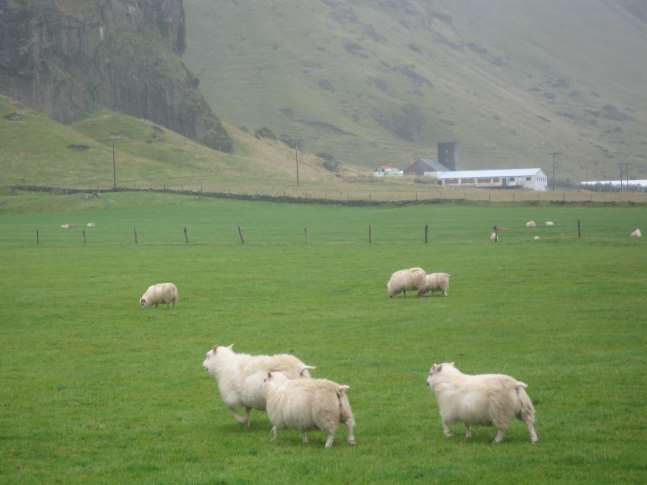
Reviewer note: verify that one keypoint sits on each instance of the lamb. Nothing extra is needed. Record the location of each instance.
(531, 223)
(435, 281)
(240, 376)
(405, 279)
(91, 224)
(549, 223)
(636, 233)
(165, 293)
(486, 399)
(307, 404)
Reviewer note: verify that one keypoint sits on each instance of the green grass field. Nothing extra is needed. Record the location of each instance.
(93, 389)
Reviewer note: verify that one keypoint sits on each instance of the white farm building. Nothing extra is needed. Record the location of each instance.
(524, 178)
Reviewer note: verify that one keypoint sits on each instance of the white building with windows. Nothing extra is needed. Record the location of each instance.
(520, 178)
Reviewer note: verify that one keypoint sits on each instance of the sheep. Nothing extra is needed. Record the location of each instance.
(636, 233)
(307, 404)
(486, 399)
(91, 224)
(405, 279)
(435, 281)
(494, 235)
(531, 223)
(549, 223)
(240, 376)
(67, 226)
(536, 238)
(165, 293)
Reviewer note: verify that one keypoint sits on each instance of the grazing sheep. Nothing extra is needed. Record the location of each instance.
(165, 293)
(307, 404)
(494, 235)
(531, 223)
(549, 223)
(67, 226)
(405, 279)
(536, 238)
(636, 233)
(486, 399)
(435, 281)
(240, 376)
(91, 224)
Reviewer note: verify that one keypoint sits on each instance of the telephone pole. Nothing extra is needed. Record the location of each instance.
(114, 168)
(554, 155)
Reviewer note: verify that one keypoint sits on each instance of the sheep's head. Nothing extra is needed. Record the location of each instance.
(437, 370)
(143, 303)
(217, 350)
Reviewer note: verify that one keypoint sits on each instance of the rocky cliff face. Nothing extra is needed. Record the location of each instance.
(70, 57)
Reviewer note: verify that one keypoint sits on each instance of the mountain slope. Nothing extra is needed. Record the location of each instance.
(383, 81)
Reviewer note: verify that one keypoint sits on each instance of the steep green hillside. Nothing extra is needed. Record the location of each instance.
(383, 81)
(39, 150)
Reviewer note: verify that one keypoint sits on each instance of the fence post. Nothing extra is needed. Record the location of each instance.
(426, 233)
(579, 229)
(305, 234)
(186, 235)
(37, 237)
(240, 234)
(370, 234)
(135, 235)
(84, 239)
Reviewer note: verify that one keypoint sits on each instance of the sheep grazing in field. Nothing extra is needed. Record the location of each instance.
(549, 223)
(240, 376)
(494, 235)
(636, 233)
(91, 224)
(306, 404)
(536, 238)
(161, 293)
(485, 399)
(67, 226)
(531, 223)
(405, 279)
(433, 282)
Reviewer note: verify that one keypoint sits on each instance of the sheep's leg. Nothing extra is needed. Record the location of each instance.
(248, 420)
(275, 433)
(237, 417)
(446, 430)
(350, 424)
(499, 435)
(304, 437)
(530, 422)
(468, 431)
(445, 291)
(330, 439)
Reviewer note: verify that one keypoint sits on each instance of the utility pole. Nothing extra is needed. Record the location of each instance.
(114, 168)
(623, 168)
(554, 155)
(296, 158)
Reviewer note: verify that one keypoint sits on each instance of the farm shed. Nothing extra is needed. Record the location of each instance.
(422, 165)
(526, 178)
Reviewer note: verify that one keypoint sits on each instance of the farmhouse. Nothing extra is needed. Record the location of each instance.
(525, 178)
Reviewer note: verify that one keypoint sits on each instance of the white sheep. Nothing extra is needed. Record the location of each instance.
(485, 399)
(636, 233)
(160, 293)
(549, 223)
(405, 279)
(306, 404)
(67, 226)
(494, 235)
(531, 223)
(91, 224)
(536, 238)
(433, 282)
(240, 376)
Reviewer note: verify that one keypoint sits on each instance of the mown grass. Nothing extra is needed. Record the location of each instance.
(94, 389)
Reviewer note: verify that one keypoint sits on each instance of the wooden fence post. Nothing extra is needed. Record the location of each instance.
(37, 237)
(579, 229)
(135, 235)
(426, 233)
(370, 234)
(186, 235)
(240, 234)
(84, 239)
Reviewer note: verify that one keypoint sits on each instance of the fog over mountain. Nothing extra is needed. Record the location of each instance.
(382, 81)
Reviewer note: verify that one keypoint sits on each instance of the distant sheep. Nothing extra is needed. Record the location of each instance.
(536, 238)
(405, 279)
(636, 233)
(240, 376)
(531, 223)
(91, 224)
(160, 293)
(549, 223)
(433, 282)
(486, 399)
(306, 404)
(494, 235)
(67, 226)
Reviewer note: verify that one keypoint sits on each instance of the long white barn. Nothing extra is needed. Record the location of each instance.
(527, 178)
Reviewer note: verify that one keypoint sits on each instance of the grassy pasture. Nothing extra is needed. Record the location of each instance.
(94, 389)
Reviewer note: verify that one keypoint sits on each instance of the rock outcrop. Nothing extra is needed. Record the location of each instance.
(68, 58)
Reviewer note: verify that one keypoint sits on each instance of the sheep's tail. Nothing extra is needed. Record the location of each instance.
(345, 411)
(527, 409)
